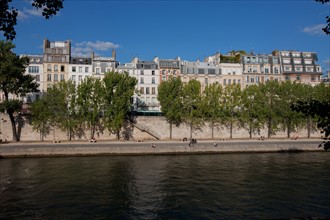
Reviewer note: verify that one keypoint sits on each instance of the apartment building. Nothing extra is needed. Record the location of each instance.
(204, 72)
(56, 60)
(101, 65)
(80, 68)
(148, 76)
(300, 66)
(231, 74)
(261, 68)
(168, 68)
(147, 73)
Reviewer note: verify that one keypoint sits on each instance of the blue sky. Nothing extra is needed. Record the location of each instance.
(190, 29)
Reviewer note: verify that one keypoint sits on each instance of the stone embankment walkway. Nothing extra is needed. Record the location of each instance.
(44, 149)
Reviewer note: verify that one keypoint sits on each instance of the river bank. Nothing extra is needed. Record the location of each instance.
(42, 149)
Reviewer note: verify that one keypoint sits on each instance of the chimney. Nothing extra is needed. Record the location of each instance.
(114, 54)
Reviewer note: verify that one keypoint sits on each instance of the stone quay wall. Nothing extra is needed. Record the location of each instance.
(144, 128)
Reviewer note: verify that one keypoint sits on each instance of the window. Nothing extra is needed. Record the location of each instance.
(163, 72)
(55, 68)
(38, 78)
(33, 69)
(276, 70)
(62, 77)
(49, 77)
(98, 70)
(234, 81)
(80, 78)
(86, 69)
(141, 80)
(266, 70)
(49, 67)
(298, 68)
(153, 72)
(238, 81)
(147, 91)
(73, 69)
(224, 82)
(298, 77)
(153, 80)
(153, 90)
(142, 72)
(142, 90)
(163, 78)
(309, 69)
(229, 81)
(80, 69)
(252, 79)
(73, 78)
(287, 77)
(55, 77)
(62, 68)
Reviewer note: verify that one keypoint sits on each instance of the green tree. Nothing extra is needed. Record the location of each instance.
(170, 97)
(41, 117)
(319, 108)
(211, 105)
(14, 81)
(90, 104)
(191, 105)
(326, 29)
(118, 90)
(288, 93)
(271, 105)
(69, 117)
(232, 106)
(8, 15)
(252, 104)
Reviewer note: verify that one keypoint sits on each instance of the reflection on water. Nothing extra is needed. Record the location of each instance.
(176, 187)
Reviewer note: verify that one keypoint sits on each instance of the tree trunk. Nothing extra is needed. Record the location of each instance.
(288, 128)
(118, 135)
(212, 124)
(191, 131)
(231, 129)
(54, 133)
(171, 130)
(250, 130)
(308, 126)
(13, 125)
(269, 126)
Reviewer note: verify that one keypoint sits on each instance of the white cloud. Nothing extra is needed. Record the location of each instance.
(314, 30)
(85, 48)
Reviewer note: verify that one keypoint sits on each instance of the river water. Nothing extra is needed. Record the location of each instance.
(221, 186)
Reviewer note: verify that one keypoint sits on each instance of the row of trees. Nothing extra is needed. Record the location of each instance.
(267, 105)
(93, 105)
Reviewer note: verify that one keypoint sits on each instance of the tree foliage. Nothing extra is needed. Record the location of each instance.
(14, 81)
(212, 105)
(326, 29)
(8, 15)
(191, 105)
(170, 97)
(118, 89)
(317, 107)
(93, 105)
